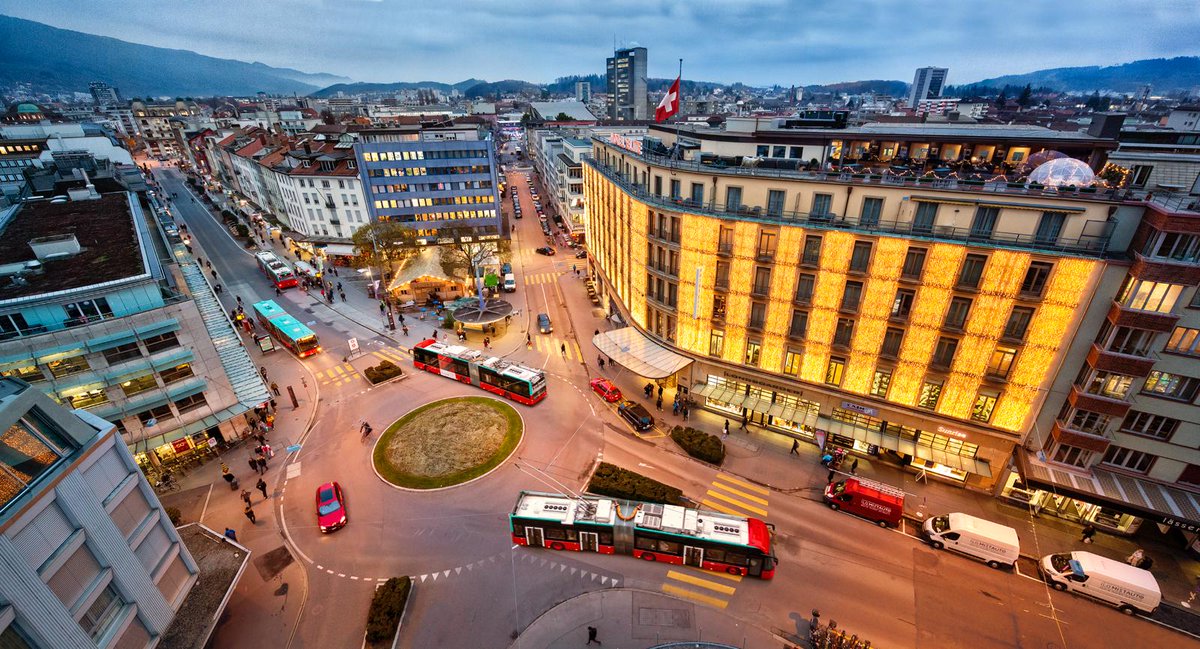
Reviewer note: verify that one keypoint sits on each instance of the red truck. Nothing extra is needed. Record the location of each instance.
(871, 500)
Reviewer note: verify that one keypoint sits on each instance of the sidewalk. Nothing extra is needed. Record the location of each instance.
(634, 619)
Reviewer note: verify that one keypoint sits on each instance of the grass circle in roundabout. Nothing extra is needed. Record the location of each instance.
(447, 442)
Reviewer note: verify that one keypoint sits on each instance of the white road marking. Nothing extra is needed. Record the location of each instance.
(205, 510)
(293, 470)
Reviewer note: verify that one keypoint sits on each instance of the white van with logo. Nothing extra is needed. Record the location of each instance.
(1131, 590)
(510, 283)
(991, 543)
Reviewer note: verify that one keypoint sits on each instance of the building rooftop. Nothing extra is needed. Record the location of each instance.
(108, 246)
(875, 130)
(576, 110)
(221, 563)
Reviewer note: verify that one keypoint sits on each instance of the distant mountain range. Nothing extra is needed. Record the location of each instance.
(1163, 75)
(56, 59)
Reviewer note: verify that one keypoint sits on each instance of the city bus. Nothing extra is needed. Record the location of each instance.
(275, 269)
(286, 329)
(496, 375)
(649, 531)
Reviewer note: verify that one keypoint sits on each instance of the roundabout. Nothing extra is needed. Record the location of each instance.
(447, 443)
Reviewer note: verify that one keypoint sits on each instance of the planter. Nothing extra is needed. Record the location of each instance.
(386, 615)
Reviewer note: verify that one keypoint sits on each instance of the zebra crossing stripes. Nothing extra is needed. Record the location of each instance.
(737, 497)
(336, 375)
(553, 345)
(701, 586)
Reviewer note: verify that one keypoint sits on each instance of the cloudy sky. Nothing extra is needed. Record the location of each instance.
(755, 41)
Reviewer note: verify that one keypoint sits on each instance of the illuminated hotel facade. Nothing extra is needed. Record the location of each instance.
(926, 320)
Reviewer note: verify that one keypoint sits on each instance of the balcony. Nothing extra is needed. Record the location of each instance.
(1097, 403)
(1089, 440)
(1090, 244)
(1128, 364)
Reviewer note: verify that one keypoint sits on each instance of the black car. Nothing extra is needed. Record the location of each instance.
(579, 254)
(636, 415)
(545, 250)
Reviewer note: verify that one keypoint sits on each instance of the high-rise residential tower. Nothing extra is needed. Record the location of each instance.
(927, 84)
(627, 84)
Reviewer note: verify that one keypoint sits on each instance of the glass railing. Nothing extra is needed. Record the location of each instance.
(1087, 244)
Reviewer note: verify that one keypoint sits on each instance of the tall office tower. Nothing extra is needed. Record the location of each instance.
(627, 84)
(927, 84)
(104, 94)
(583, 91)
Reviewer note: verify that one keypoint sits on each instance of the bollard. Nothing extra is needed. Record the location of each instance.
(292, 394)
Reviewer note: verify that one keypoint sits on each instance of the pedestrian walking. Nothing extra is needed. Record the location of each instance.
(601, 363)
(401, 316)
(592, 635)
(660, 391)
(275, 388)
(246, 497)
(685, 413)
(1146, 563)
(658, 404)
(1135, 558)
(745, 418)
(830, 478)
(342, 295)
(404, 329)
(254, 464)
(727, 428)
(262, 369)
(795, 447)
(854, 467)
(231, 534)
(249, 512)
(261, 485)
(382, 308)
(262, 457)
(597, 332)
(1087, 533)
(278, 292)
(486, 341)
(563, 349)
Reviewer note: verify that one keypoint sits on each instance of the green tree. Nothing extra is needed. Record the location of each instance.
(385, 244)
(1026, 96)
(464, 256)
(1001, 99)
(562, 117)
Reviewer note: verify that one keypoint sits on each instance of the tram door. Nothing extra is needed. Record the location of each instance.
(693, 556)
(533, 537)
(589, 542)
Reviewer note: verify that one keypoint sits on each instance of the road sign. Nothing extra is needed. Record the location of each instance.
(353, 345)
(293, 448)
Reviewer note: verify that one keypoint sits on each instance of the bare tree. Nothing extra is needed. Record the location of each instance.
(464, 256)
(385, 243)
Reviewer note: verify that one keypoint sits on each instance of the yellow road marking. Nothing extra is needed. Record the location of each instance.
(349, 368)
(721, 508)
(696, 597)
(737, 503)
(743, 483)
(379, 355)
(320, 374)
(338, 368)
(578, 353)
(740, 493)
(703, 583)
(710, 573)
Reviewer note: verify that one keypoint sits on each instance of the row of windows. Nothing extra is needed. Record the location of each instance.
(439, 154)
(76, 364)
(1117, 386)
(164, 412)
(432, 187)
(1146, 424)
(431, 202)
(131, 387)
(440, 216)
(401, 172)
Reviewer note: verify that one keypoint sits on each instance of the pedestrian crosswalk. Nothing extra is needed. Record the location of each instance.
(736, 496)
(553, 345)
(541, 278)
(336, 375)
(391, 354)
(730, 495)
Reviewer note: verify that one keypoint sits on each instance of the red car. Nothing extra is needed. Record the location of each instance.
(331, 507)
(606, 390)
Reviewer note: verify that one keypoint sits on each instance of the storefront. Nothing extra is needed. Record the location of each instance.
(156, 455)
(772, 407)
(1113, 501)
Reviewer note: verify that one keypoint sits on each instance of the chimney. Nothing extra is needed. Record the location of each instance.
(307, 148)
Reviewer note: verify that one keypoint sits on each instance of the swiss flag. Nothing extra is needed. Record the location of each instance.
(669, 104)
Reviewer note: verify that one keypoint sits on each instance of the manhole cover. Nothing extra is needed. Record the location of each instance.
(273, 562)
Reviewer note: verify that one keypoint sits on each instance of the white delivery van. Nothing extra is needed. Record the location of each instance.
(1129, 589)
(510, 283)
(994, 544)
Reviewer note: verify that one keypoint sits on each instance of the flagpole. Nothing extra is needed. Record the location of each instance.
(678, 144)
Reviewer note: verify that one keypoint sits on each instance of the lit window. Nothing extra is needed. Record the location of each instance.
(985, 403)
(1150, 296)
(1001, 362)
(835, 370)
(1171, 386)
(791, 362)
(1184, 341)
(881, 382)
(931, 391)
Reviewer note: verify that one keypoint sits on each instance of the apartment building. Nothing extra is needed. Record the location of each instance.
(626, 75)
(88, 557)
(431, 175)
(96, 312)
(154, 125)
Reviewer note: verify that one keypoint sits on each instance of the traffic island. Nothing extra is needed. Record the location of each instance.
(447, 443)
(387, 612)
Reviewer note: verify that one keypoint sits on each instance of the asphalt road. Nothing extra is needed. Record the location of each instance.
(475, 589)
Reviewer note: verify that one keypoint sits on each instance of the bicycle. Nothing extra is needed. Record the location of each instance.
(366, 430)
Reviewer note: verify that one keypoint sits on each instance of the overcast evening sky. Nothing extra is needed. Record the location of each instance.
(759, 42)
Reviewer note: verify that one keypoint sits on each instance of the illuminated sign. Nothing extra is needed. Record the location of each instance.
(627, 143)
(862, 410)
(951, 432)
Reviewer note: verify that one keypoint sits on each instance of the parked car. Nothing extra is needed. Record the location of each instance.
(874, 501)
(606, 389)
(331, 507)
(636, 415)
(545, 250)
(544, 325)
(581, 253)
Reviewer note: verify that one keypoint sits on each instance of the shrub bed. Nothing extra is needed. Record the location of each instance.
(384, 371)
(387, 606)
(615, 482)
(699, 444)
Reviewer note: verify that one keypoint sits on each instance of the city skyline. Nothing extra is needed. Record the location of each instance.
(886, 42)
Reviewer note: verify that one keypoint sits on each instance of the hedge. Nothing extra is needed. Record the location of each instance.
(384, 371)
(386, 608)
(615, 482)
(699, 444)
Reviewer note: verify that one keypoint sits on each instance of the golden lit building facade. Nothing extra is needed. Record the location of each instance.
(917, 321)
